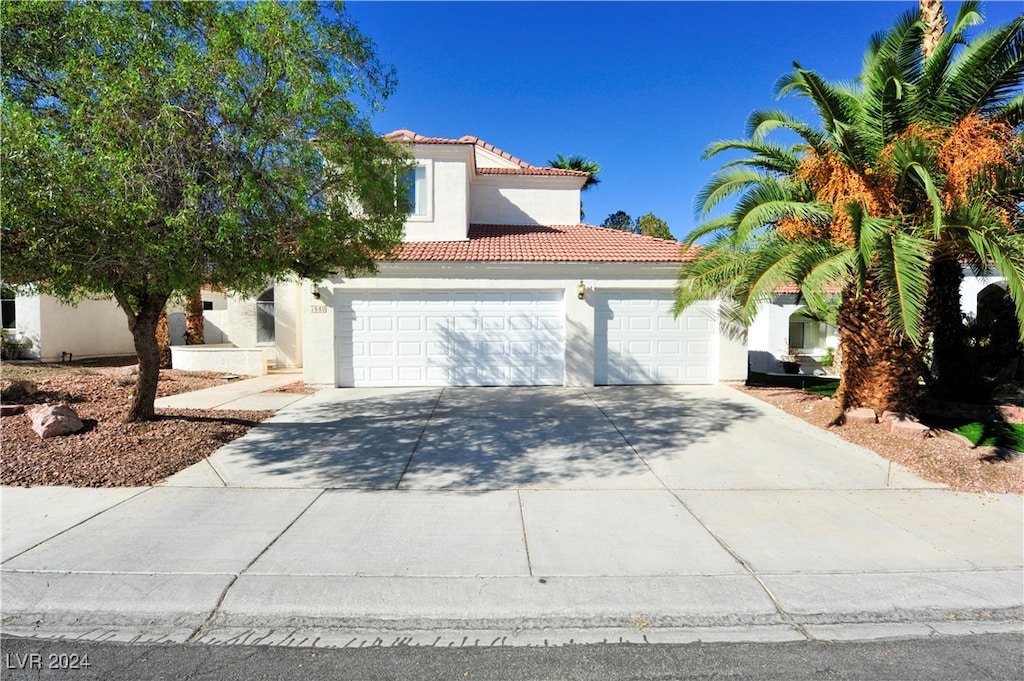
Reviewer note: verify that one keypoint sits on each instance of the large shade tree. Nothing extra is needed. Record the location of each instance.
(918, 162)
(153, 148)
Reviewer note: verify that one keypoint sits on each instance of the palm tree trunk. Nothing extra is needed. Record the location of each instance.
(194, 334)
(879, 371)
(935, 21)
(950, 373)
(163, 340)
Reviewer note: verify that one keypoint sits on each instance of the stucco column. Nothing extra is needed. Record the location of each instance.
(579, 336)
(318, 358)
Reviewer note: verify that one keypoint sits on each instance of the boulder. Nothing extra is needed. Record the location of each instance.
(52, 420)
(860, 415)
(890, 416)
(909, 428)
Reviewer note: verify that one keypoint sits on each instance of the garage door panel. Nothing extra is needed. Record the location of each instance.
(451, 338)
(638, 340)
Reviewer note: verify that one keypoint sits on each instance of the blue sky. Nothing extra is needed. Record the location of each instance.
(641, 88)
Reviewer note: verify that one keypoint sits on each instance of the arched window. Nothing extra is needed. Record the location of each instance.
(265, 317)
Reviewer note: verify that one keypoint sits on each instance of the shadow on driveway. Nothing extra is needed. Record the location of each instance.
(478, 438)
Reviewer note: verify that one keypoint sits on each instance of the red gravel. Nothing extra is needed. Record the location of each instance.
(945, 458)
(109, 452)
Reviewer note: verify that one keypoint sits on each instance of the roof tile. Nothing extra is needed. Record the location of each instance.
(523, 169)
(535, 243)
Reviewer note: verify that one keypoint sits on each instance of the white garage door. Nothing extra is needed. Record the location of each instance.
(450, 338)
(637, 340)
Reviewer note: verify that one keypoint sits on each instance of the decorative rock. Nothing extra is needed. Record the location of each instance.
(860, 415)
(910, 429)
(58, 419)
(128, 371)
(890, 416)
(11, 409)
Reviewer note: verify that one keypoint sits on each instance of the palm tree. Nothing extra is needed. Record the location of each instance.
(579, 164)
(890, 183)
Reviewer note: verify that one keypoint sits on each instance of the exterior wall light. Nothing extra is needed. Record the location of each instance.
(314, 288)
(581, 290)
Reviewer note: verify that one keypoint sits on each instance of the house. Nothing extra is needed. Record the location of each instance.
(785, 327)
(497, 283)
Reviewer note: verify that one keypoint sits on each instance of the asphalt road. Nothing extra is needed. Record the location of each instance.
(988, 657)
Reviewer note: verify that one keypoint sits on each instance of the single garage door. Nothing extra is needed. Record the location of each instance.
(450, 338)
(637, 340)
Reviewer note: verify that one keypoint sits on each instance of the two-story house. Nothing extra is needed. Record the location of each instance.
(497, 284)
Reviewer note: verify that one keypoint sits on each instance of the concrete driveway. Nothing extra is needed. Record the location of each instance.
(637, 438)
(527, 516)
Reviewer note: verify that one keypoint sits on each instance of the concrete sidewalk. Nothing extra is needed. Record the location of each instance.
(253, 394)
(517, 516)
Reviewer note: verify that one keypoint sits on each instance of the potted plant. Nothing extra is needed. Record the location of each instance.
(10, 344)
(790, 362)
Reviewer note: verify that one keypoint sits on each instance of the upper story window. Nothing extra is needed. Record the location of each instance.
(418, 191)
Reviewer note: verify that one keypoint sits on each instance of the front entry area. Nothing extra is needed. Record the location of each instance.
(450, 338)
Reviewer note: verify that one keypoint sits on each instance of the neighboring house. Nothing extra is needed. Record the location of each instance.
(785, 327)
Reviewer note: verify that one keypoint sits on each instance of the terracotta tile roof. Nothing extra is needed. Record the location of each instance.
(535, 243)
(523, 168)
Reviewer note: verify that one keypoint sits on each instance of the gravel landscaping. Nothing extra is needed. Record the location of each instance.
(945, 457)
(109, 452)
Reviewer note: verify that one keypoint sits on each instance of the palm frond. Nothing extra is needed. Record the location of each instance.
(760, 123)
(723, 185)
(772, 157)
(889, 73)
(726, 223)
(988, 73)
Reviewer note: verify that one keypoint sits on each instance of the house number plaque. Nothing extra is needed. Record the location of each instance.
(318, 309)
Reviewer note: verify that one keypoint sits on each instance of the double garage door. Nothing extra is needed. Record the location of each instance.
(464, 338)
(451, 338)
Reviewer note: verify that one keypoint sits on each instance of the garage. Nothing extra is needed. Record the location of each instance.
(456, 338)
(638, 341)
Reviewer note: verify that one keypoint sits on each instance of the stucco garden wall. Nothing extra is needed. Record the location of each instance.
(93, 328)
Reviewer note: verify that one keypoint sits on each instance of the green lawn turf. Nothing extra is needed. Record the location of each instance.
(1009, 435)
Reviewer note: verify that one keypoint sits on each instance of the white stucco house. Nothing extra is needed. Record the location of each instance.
(498, 284)
(785, 327)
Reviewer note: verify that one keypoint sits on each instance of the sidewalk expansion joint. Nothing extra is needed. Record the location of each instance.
(224, 594)
(786, 617)
(419, 439)
(81, 522)
(526, 541)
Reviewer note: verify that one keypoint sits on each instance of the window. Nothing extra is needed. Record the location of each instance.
(265, 317)
(207, 305)
(796, 335)
(417, 197)
(7, 308)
